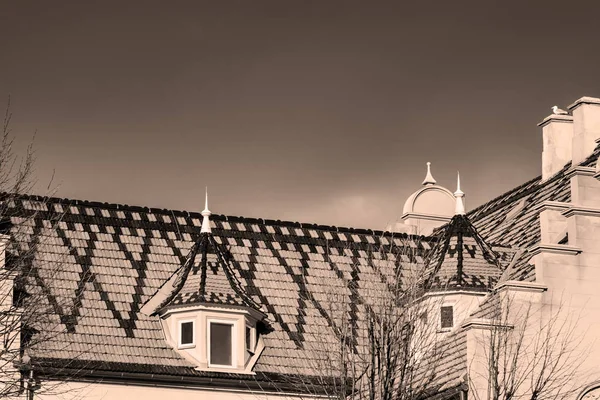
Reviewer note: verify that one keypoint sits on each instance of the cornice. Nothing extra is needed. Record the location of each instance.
(556, 118)
(582, 211)
(552, 248)
(552, 205)
(431, 217)
(484, 323)
(580, 170)
(522, 286)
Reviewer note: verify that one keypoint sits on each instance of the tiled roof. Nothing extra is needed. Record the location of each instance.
(512, 219)
(511, 222)
(207, 277)
(489, 307)
(113, 258)
(462, 259)
(97, 264)
(442, 368)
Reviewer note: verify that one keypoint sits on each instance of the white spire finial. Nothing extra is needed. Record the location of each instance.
(459, 194)
(429, 178)
(206, 214)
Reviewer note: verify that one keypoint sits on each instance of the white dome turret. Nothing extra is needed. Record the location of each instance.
(427, 208)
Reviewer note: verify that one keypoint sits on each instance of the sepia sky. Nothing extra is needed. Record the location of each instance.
(313, 111)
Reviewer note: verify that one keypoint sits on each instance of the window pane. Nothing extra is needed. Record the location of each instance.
(187, 333)
(220, 343)
(447, 314)
(249, 339)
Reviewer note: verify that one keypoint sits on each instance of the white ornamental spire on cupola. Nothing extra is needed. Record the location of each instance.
(459, 194)
(429, 178)
(206, 214)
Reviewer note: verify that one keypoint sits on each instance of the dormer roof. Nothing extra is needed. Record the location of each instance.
(462, 259)
(206, 278)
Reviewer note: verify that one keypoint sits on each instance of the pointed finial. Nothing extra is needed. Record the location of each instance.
(429, 178)
(459, 194)
(206, 214)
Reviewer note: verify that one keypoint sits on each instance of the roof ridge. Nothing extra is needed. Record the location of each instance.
(220, 217)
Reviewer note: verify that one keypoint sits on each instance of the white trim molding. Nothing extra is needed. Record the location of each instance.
(582, 210)
(483, 323)
(181, 345)
(554, 249)
(522, 286)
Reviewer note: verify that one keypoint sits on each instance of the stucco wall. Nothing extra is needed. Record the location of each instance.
(108, 391)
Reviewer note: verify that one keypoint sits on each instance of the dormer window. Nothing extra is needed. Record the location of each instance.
(221, 343)
(211, 324)
(187, 334)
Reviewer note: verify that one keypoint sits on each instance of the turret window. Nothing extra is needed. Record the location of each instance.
(186, 334)
(221, 340)
(447, 316)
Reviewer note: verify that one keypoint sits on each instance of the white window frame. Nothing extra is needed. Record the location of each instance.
(252, 339)
(234, 342)
(179, 332)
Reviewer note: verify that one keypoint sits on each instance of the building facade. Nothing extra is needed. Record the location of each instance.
(125, 301)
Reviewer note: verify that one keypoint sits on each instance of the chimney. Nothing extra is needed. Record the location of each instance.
(557, 133)
(586, 127)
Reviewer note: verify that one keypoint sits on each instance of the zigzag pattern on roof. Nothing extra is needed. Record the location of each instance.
(111, 260)
(463, 260)
(195, 284)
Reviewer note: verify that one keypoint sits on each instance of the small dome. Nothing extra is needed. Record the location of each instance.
(431, 200)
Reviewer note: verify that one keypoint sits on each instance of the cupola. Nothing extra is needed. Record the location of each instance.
(462, 267)
(206, 315)
(426, 209)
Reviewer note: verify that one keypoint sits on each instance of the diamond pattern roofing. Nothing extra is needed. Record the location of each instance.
(462, 259)
(112, 258)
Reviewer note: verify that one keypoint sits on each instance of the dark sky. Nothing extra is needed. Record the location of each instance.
(311, 111)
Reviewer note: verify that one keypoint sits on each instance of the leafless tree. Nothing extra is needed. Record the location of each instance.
(527, 350)
(381, 339)
(27, 318)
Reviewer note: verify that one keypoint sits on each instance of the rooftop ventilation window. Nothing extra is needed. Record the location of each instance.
(565, 239)
(516, 209)
(512, 214)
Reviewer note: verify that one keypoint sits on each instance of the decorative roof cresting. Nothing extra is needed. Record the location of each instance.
(429, 178)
